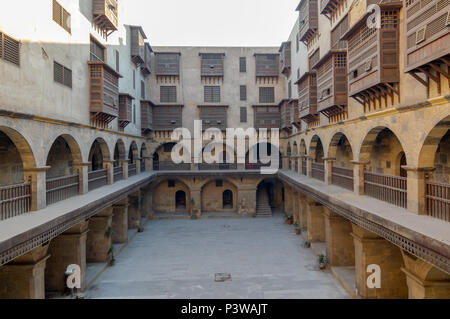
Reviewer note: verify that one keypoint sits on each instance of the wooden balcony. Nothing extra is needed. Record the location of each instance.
(167, 117)
(307, 97)
(285, 114)
(104, 92)
(213, 116)
(330, 7)
(146, 67)
(285, 58)
(309, 19)
(373, 56)
(212, 64)
(427, 39)
(332, 83)
(295, 113)
(146, 116)
(125, 110)
(167, 63)
(105, 15)
(267, 65)
(267, 116)
(137, 45)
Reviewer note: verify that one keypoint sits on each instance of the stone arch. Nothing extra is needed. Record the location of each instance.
(212, 192)
(316, 149)
(274, 189)
(18, 156)
(302, 149)
(119, 152)
(99, 153)
(341, 149)
(380, 149)
(430, 146)
(133, 152)
(144, 150)
(63, 153)
(295, 149)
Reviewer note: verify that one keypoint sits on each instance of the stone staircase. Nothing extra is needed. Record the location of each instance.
(263, 208)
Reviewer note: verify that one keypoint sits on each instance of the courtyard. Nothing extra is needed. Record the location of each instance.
(178, 259)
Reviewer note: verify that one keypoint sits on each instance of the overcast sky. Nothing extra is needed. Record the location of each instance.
(213, 22)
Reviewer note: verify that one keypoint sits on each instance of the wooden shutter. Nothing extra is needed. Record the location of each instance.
(10, 49)
(97, 51)
(212, 94)
(242, 65)
(58, 72)
(243, 93)
(212, 64)
(67, 77)
(267, 95)
(243, 114)
(57, 12)
(168, 94)
(143, 90)
(167, 64)
(66, 22)
(117, 61)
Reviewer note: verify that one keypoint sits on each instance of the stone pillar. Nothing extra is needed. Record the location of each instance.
(288, 198)
(37, 177)
(300, 167)
(416, 183)
(309, 161)
(195, 202)
(82, 170)
(371, 249)
(24, 278)
(99, 239)
(148, 164)
(247, 200)
(134, 215)
(424, 280)
(295, 208)
(138, 165)
(109, 165)
(328, 164)
(147, 202)
(358, 176)
(340, 246)
(315, 221)
(120, 222)
(285, 162)
(303, 212)
(240, 162)
(299, 164)
(124, 164)
(67, 249)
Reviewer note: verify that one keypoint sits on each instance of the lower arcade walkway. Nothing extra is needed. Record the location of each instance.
(179, 259)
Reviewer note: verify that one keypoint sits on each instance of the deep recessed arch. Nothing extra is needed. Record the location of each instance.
(63, 154)
(341, 150)
(316, 149)
(98, 154)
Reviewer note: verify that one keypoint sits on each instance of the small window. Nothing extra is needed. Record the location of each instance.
(290, 89)
(243, 115)
(143, 90)
(97, 51)
(212, 94)
(134, 113)
(243, 92)
(168, 94)
(117, 61)
(61, 16)
(421, 34)
(355, 74)
(9, 49)
(219, 183)
(267, 95)
(297, 42)
(243, 65)
(171, 183)
(134, 79)
(62, 74)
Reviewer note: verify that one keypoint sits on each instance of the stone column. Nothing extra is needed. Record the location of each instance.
(67, 249)
(328, 164)
(300, 167)
(196, 204)
(148, 163)
(134, 215)
(303, 212)
(120, 222)
(288, 199)
(124, 164)
(285, 162)
(371, 249)
(309, 161)
(299, 164)
(99, 239)
(82, 170)
(424, 280)
(358, 176)
(138, 165)
(340, 246)
(315, 221)
(37, 177)
(109, 165)
(24, 278)
(416, 183)
(295, 208)
(147, 199)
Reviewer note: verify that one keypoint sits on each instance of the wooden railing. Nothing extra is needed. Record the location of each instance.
(438, 200)
(62, 188)
(304, 166)
(118, 173)
(391, 189)
(216, 166)
(14, 200)
(97, 178)
(132, 169)
(342, 177)
(318, 171)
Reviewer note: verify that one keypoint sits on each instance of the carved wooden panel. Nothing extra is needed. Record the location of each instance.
(167, 118)
(167, 64)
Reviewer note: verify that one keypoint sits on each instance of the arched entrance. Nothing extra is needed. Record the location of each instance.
(227, 199)
(269, 197)
(180, 201)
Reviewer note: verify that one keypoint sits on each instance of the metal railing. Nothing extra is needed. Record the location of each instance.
(388, 188)
(15, 200)
(132, 169)
(318, 171)
(118, 173)
(343, 177)
(97, 179)
(62, 188)
(438, 200)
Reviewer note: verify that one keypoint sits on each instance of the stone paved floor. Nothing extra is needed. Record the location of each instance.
(179, 258)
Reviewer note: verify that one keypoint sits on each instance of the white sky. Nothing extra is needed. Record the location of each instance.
(213, 22)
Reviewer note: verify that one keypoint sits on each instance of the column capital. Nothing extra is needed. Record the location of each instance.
(360, 162)
(418, 169)
(329, 159)
(36, 169)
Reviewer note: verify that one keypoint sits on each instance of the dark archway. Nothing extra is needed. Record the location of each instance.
(180, 201)
(227, 199)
